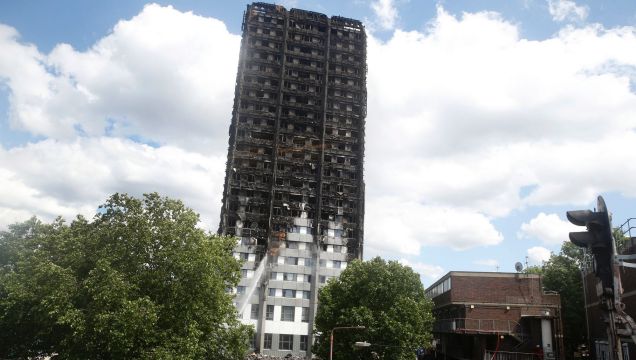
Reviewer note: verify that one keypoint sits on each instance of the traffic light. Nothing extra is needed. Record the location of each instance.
(598, 239)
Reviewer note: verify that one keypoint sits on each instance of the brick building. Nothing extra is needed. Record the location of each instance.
(480, 313)
(294, 189)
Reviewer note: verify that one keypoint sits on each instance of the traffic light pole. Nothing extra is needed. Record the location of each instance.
(599, 240)
(613, 300)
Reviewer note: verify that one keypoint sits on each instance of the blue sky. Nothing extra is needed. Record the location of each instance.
(487, 120)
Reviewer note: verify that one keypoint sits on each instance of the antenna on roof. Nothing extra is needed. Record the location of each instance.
(519, 267)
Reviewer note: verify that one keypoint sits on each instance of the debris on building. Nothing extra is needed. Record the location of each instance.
(294, 189)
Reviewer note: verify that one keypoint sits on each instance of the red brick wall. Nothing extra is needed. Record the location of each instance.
(493, 303)
(495, 296)
(442, 299)
(517, 289)
(495, 313)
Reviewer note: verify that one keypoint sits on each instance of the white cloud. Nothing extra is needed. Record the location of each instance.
(404, 226)
(537, 255)
(22, 70)
(470, 116)
(164, 75)
(428, 273)
(386, 13)
(52, 178)
(547, 228)
(562, 10)
(463, 119)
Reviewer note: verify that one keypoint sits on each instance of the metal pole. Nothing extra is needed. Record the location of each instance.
(331, 345)
(614, 301)
(613, 341)
(331, 337)
(587, 321)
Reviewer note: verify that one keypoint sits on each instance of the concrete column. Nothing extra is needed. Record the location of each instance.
(546, 338)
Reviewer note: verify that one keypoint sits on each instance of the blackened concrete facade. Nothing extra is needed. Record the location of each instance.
(294, 189)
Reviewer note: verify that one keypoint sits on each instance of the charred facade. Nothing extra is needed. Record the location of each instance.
(294, 189)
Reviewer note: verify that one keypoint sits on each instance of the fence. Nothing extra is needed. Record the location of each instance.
(507, 355)
(478, 325)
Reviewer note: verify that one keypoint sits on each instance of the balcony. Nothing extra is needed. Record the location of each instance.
(479, 326)
(507, 355)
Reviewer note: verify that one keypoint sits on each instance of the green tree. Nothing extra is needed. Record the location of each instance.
(622, 240)
(140, 281)
(534, 269)
(386, 298)
(562, 273)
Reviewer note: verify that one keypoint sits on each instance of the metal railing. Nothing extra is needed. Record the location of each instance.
(507, 355)
(478, 325)
(627, 227)
(628, 231)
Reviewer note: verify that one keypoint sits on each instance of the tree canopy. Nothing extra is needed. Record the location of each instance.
(562, 273)
(139, 281)
(386, 298)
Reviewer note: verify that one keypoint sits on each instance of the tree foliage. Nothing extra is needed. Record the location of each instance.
(622, 240)
(140, 281)
(385, 297)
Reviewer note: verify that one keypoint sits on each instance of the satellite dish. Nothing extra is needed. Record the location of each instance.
(518, 266)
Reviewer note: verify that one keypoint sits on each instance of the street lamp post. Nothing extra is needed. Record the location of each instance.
(331, 337)
(361, 344)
